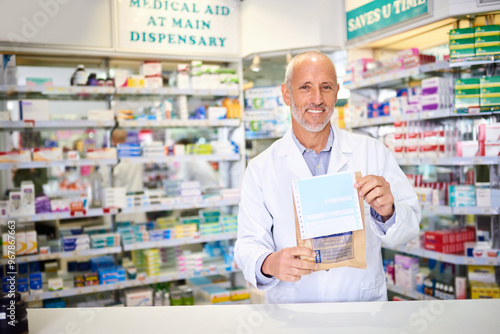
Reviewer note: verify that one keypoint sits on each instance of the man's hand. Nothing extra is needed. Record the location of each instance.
(377, 193)
(287, 265)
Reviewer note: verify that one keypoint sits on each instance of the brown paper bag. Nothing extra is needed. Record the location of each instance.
(338, 250)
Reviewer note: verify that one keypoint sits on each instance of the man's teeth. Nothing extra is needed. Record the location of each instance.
(314, 111)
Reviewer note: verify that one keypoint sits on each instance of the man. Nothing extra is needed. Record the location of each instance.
(266, 249)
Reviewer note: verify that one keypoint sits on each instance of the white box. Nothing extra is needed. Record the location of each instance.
(143, 297)
(153, 82)
(121, 78)
(55, 284)
(183, 80)
(483, 194)
(17, 156)
(492, 149)
(217, 112)
(15, 200)
(28, 198)
(47, 154)
(151, 68)
(31, 242)
(20, 243)
(102, 153)
(100, 115)
(34, 110)
(467, 148)
(492, 132)
(4, 209)
(4, 116)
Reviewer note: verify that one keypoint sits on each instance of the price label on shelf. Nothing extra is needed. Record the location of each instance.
(460, 211)
(95, 289)
(434, 161)
(486, 211)
(37, 297)
(477, 160)
(50, 89)
(79, 291)
(62, 89)
(119, 286)
(492, 262)
(440, 257)
(394, 76)
(57, 294)
(469, 261)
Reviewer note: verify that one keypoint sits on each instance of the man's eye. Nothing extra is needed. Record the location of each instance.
(303, 87)
(327, 87)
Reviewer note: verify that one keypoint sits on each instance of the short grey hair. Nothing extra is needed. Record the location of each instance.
(289, 68)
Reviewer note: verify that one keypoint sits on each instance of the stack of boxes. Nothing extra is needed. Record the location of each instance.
(152, 260)
(190, 263)
(127, 150)
(490, 93)
(449, 241)
(462, 43)
(76, 242)
(105, 240)
(190, 192)
(487, 40)
(229, 223)
(152, 72)
(436, 94)
(153, 149)
(467, 93)
(209, 223)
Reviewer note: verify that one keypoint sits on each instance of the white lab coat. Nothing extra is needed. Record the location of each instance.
(266, 218)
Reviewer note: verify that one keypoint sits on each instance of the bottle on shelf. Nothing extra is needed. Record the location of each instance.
(95, 180)
(79, 78)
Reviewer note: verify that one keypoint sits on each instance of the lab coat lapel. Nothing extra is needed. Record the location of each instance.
(293, 159)
(338, 158)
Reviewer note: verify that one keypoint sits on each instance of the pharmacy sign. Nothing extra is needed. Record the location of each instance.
(367, 16)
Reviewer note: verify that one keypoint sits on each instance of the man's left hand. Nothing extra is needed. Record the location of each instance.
(377, 193)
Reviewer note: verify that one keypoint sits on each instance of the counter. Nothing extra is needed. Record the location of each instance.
(464, 316)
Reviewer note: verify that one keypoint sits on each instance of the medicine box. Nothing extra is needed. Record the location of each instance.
(458, 53)
(486, 41)
(463, 43)
(34, 110)
(488, 30)
(47, 154)
(55, 284)
(466, 83)
(406, 270)
(487, 50)
(102, 153)
(142, 297)
(15, 156)
(462, 195)
(462, 33)
(27, 198)
(100, 115)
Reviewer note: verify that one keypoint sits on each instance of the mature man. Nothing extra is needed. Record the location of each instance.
(266, 249)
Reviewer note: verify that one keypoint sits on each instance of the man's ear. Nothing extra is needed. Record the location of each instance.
(286, 94)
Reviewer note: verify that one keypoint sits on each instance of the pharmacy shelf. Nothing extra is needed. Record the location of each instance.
(179, 241)
(166, 276)
(249, 136)
(409, 293)
(78, 90)
(60, 163)
(462, 210)
(176, 91)
(388, 79)
(426, 115)
(182, 158)
(449, 258)
(179, 123)
(449, 161)
(62, 215)
(59, 124)
(475, 60)
(64, 255)
(13, 89)
(175, 205)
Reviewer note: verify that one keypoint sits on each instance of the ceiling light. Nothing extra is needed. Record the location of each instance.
(256, 64)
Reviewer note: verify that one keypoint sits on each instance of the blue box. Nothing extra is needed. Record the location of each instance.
(36, 282)
(22, 284)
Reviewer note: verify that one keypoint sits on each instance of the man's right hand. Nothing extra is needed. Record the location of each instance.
(287, 265)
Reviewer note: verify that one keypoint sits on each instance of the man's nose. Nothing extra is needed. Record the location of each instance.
(317, 97)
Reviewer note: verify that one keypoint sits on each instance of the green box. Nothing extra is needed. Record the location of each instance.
(490, 101)
(490, 91)
(466, 102)
(489, 82)
(464, 43)
(487, 41)
(468, 92)
(493, 29)
(487, 50)
(466, 83)
(462, 33)
(469, 52)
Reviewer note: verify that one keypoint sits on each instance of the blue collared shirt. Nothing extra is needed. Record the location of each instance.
(318, 165)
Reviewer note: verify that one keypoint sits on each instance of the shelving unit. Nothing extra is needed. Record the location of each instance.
(179, 241)
(65, 255)
(222, 130)
(60, 163)
(449, 258)
(393, 80)
(166, 276)
(410, 293)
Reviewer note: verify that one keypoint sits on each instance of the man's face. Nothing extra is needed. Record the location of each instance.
(313, 93)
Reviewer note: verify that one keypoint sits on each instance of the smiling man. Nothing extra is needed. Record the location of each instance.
(266, 249)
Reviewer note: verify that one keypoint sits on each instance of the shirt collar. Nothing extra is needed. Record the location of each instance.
(328, 146)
